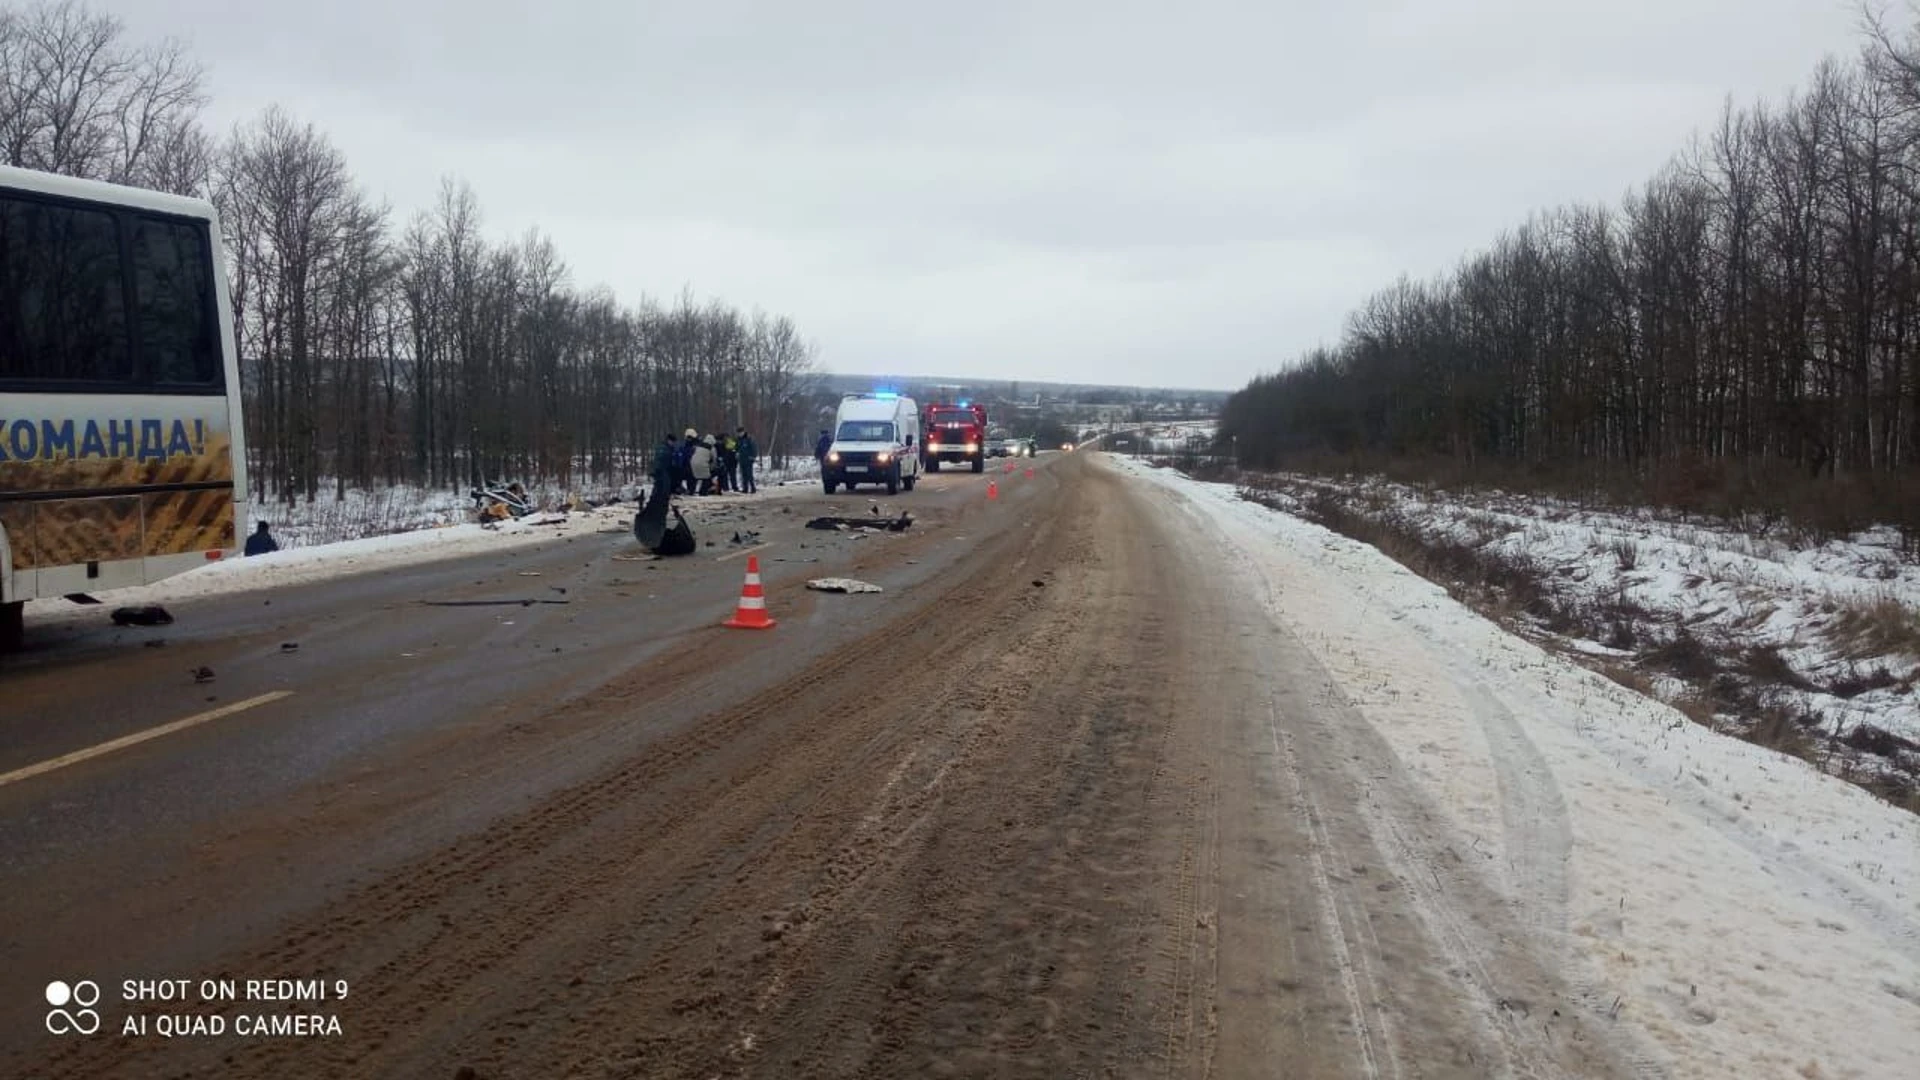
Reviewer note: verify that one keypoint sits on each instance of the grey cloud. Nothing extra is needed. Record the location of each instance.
(1143, 192)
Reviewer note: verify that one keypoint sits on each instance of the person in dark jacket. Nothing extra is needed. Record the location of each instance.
(665, 470)
(820, 448)
(685, 462)
(260, 543)
(726, 464)
(745, 451)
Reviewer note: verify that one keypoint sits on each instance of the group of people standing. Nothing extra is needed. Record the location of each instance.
(695, 464)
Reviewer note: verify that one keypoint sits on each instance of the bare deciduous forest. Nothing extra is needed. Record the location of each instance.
(1741, 335)
(378, 351)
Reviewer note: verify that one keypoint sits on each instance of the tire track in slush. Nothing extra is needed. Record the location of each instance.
(865, 874)
(1537, 832)
(1466, 924)
(1352, 967)
(908, 954)
(1016, 945)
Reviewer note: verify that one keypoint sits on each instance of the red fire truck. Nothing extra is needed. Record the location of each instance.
(954, 432)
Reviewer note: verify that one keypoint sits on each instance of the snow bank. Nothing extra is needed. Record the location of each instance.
(1753, 916)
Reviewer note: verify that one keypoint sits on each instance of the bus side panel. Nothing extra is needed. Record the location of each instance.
(72, 531)
(178, 522)
(17, 519)
(8, 583)
(180, 440)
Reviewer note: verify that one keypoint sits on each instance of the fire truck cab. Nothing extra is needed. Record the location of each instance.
(955, 433)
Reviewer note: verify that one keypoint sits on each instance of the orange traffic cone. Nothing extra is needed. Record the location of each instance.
(1009, 467)
(993, 490)
(1029, 472)
(752, 612)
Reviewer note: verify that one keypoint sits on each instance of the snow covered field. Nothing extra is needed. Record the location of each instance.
(1740, 629)
(1181, 437)
(1743, 913)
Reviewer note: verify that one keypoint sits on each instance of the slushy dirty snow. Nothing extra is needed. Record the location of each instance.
(1742, 913)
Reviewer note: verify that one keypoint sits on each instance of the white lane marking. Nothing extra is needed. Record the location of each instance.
(137, 737)
(745, 551)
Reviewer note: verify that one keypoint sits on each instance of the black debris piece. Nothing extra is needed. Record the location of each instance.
(489, 603)
(899, 524)
(143, 615)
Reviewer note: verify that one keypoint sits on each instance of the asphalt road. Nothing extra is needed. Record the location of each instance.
(1061, 801)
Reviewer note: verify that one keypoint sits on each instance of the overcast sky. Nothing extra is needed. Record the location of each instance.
(1083, 190)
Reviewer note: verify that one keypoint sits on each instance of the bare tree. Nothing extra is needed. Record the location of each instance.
(286, 195)
(76, 99)
(1754, 305)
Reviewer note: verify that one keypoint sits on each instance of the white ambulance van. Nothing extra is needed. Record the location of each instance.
(876, 440)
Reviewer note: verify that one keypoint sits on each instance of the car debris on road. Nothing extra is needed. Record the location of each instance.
(842, 585)
(843, 524)
(142, 615)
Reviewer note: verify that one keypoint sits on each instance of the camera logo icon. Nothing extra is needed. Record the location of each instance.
(82, 1020)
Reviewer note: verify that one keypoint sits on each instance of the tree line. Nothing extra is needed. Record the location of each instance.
(1752, 312)
(377, 351)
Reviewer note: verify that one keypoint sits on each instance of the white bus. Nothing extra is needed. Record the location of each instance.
(122, 455)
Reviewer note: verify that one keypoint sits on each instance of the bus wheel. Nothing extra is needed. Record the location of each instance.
(13, 619)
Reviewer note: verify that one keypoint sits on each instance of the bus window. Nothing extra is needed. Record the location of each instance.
(173, 289)
(62, 294)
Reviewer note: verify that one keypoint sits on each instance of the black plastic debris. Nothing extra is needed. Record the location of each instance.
(866, 524)
(142, 615)
(489, 603)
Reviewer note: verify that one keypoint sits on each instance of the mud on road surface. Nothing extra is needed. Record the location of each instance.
(1061, 817)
